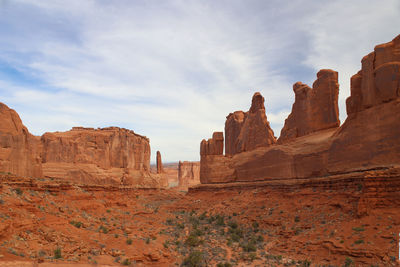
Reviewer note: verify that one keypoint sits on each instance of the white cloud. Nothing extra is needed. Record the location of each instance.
(173, 70)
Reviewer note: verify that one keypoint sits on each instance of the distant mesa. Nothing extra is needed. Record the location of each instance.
(106, 156)
(312, 142)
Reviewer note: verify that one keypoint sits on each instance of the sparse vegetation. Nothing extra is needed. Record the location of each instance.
(195, 259)
(18, 191)
(57, 253)
(76, 224)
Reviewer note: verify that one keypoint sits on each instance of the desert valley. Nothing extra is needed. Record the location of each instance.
(324, 193)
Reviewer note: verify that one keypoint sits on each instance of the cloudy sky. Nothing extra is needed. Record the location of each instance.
(173, 70)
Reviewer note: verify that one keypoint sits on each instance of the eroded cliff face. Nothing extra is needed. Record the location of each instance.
(107, 155)
(368, 139)
(19, 150)
(82, 155)
(314, 109)
(188, 174)
(247, 131)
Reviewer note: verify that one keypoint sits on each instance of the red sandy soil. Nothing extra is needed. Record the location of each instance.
(243, 226)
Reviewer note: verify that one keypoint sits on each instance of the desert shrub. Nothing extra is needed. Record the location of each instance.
(76, 224)
(248, 247)
(197, 232)
(297, 218)
(305, 263)
(195, 259)
(226, 264)
(126, 262)
(358, 229)
(202, 216)
(103, 229)
(192, 241)
(348, 262)
(57, 253)
(219, 220)
(359, 241)
(18, 191)
(233, 224)
(129, 241)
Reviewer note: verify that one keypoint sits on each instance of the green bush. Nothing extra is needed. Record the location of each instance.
(129, 241)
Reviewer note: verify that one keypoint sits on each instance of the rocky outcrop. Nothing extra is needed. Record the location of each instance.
(378, 81)
(188, 174)
(369, 138)
(19, 150)
(159, 162)
(247, 131)
(314, 109)
(214, 145)
(108, 155)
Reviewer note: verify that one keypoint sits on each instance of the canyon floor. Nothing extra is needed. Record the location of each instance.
(53, 223)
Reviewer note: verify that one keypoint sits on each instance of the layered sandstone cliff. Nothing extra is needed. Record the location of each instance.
(108, 155)
(247, 131)
(314, 109)
(19, 150)
(368, 139)
(188, 174)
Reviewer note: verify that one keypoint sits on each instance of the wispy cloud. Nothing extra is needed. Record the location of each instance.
(172, 70)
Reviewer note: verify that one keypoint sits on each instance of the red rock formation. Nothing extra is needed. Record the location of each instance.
(378, 80)
(233, 126)
(19, 150)
(108, 155)
(188, 174)
(369, 138)
(314, 109)
(247, 131)
(159, 163)
(214, 146)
